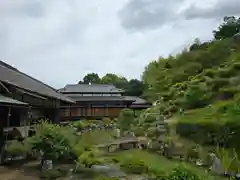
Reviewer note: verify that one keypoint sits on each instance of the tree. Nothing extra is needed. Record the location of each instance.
(135, 88)
(110, 78)
(196, 44)
(54, 141)
(229, 27)
(126, 120)
(91, 78)
(119, 81)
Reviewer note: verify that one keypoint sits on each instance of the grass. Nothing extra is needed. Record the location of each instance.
(162, 164)
(97, 137)
(219, 113)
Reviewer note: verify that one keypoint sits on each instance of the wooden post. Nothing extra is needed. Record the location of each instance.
(106, 112)
(70, 113)
(3, 141)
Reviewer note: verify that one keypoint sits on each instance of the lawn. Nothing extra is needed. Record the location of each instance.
(97, 137)
(152, 160)
(161, 163)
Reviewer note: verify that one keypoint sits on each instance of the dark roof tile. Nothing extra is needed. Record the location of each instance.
(12, 76)
(7, 100)
(136, 100)
(92, 88)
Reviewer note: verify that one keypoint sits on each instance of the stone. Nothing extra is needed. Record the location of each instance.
(47, 165)
(161, 138)
(217, 165)
(118, 133)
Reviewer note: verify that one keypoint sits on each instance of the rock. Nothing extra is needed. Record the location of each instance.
(217, 165)
(47, 165)
(199, 162)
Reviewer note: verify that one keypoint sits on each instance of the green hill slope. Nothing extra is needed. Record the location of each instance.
(200, 88)
(195, 78)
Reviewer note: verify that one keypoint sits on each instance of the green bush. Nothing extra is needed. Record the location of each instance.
(215, 125)
(16, 148)
(126, 119)
(89, 158)
(139, 131)
(134, 165)
(107, 121)
(106, 178)
(80, 125)
(182, 173)
(55, 141)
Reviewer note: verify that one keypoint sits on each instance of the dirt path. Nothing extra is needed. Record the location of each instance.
(26, 172)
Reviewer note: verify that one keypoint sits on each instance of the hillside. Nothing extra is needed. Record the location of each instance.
(199, 89)
(204, 74)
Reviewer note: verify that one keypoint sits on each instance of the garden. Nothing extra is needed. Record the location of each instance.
(72, 151)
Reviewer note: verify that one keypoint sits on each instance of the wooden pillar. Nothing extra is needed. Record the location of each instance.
(105, 110)
(1, 134)
(91, 110)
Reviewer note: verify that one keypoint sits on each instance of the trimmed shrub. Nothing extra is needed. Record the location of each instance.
(134, 165)
(181, 173)
(126, 119)
(216, 125)
(16, 148)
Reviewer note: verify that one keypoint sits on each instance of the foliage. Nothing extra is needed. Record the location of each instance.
(194, 78)
(126, 119)
(215, 125)
(107, 121)
(80, 125)
(182, 172)
(96, 137)
(16, 148)
(229, 160)
(91, 78)
(134, 165)
(228, 28)
(160, 167)
(54, 141)
(91, 124)
(133, 87)
(89, 158)
(106, 178)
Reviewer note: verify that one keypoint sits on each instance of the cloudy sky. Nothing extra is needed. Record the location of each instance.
(58, 41)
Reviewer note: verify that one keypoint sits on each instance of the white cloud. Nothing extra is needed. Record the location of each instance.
(59, 41)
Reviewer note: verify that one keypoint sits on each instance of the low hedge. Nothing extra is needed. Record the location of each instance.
(211, 133)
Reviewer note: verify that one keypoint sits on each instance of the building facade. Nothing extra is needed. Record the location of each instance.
(24, 100)
(94, 101)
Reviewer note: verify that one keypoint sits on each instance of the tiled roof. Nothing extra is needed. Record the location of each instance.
(12, 76)
(92, 88)
(7, 100)
(136, 100)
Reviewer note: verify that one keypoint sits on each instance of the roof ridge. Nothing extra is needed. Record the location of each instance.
(10, 68)
(2, 63)
(90, 84)
(7, 66)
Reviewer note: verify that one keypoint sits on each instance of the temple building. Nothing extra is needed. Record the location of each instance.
(96, 101)
(24, 99)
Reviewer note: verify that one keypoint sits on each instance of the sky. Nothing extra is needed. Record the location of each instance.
(59, 41)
